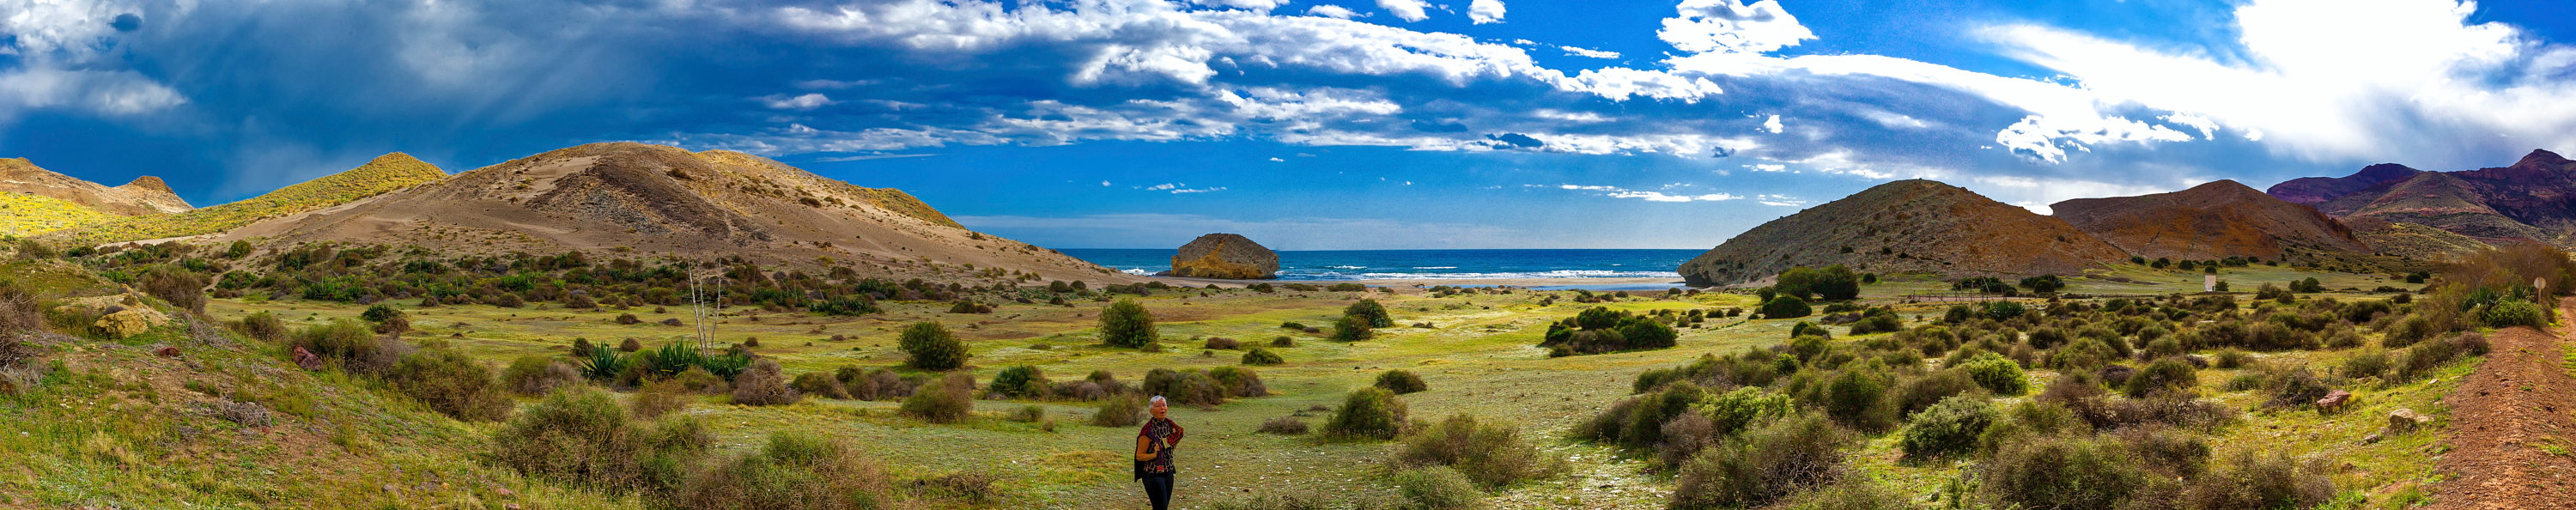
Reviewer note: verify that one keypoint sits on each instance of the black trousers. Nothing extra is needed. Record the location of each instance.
(1158, 487)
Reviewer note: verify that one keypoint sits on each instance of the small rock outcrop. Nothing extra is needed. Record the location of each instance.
(1227, 256)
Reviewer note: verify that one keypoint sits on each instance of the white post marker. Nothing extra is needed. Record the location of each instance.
(2209, 283)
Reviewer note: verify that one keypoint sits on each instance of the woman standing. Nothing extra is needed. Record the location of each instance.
(1154, 446)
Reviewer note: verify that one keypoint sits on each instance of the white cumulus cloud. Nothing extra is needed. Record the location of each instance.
(1485, 11)
(1408, 10)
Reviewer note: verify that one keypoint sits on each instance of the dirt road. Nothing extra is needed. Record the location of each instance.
(2513, 426)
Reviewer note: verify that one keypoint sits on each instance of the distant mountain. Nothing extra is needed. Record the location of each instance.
(2211, 221)
(2533, 199)
(628, 197)
(146, 195)
(1901, 226)
(386, 173)
(2314, 190)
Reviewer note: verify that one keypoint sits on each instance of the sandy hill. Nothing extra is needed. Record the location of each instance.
(1910, 225)
(2211, 221)
(611, 197)
(146, 195)
(386, 173)
(2315, 190)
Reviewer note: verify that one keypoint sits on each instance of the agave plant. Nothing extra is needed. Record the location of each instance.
(673, 359)
(605, 363)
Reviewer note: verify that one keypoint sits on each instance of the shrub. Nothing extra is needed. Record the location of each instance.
(534, 376)
(1126, 324)
(2230, 359)
(630, 345)
(628, 319)
(1369, 413)
(2250, 479)
(1284, 425)
(451, 383)
(2515, 312)
(1996, 373)
(1222, 343)
(1916, 394)
(1771, 461)
(1401, 382)
(183, 289)
(820, 385)
(1851, 494)
(1881, 323)
(1261, 356)
(1853, 397)
(932, 347)
(2049, 472)
(1786, 307)
(942, 401)
(263, 326)
(1238, 382)
(1284, 341)
(1127, 411)
(1352, 329)
(764, 384)
(658, 398)
(1949, 427)
(796, 470)
(2407, 331)
(1369, 310)
(1025, 381)
(1437, 488)
(2169, 374)
(1184, 387)
(1833, 283)
(1743, 408)
(351, 345)
(1491, 454)
(580, 436)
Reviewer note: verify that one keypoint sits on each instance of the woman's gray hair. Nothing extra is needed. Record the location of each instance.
(1158, 399)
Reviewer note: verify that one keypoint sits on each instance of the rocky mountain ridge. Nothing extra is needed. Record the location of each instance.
(145, 195)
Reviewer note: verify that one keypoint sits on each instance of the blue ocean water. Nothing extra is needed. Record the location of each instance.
(1430, 264)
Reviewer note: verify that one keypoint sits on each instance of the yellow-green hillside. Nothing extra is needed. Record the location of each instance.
(387, 173)
(25, 214)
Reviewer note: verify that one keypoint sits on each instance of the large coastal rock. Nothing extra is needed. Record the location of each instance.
(1227, 256)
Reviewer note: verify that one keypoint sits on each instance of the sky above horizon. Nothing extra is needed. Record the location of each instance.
(1307, 125)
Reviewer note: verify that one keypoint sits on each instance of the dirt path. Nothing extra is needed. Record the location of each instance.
(2513, 427)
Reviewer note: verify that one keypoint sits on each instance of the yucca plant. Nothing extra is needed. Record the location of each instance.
(604, 363)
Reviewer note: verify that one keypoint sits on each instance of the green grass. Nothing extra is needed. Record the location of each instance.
(1480, 358)
(385, 174)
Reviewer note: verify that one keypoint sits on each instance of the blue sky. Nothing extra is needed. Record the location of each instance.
(1343, 124)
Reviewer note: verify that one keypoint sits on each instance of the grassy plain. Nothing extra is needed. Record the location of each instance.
(1478, 357)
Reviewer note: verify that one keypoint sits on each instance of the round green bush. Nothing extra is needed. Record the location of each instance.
(2515, 312)
(932, 347)
(942, 401)
(1020, 381)
(453, 384)
(1786, 307)
(2063, 472)
(2164, 374)
(1371, 311)
(1948, 427)
(1262, 356)
(1370, 413)
(1996, 373)
(1438, 488)
(1352, 328)
(1127, 324)
(1401, 382)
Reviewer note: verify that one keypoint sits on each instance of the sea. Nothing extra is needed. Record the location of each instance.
(1336, 265)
